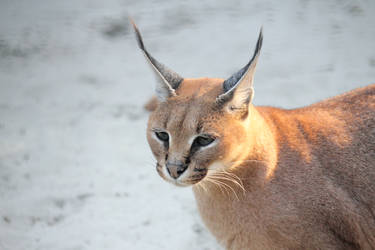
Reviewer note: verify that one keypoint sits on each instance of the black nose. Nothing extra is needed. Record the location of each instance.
(175, 169)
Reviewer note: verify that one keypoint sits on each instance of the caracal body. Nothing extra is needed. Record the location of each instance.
(312, 185)
(263, 177)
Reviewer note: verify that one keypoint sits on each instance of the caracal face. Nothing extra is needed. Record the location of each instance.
(198, 125)
(190, 134)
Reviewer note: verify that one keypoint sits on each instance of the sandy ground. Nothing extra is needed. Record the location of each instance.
(75, 169)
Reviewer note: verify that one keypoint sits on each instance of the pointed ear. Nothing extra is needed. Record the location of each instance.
(168, 81)
(238, 89)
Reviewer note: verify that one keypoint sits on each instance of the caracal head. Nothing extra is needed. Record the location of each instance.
(199, 124)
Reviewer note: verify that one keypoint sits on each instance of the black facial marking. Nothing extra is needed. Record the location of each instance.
(202, 141)
(200, 169)
(199, 142)
(187, 160)
(198, 176)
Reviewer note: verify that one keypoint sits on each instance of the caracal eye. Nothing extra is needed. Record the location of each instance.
(163, 136)
(203, 141)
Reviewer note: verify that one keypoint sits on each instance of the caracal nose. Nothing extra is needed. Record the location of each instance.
(175, 169)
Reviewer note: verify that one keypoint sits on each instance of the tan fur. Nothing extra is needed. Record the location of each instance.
(277, 179)
(152, 104)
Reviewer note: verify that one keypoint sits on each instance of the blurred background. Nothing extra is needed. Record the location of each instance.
(75, 169)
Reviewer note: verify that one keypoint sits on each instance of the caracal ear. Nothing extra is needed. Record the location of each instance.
(168, 81)
(238, 89)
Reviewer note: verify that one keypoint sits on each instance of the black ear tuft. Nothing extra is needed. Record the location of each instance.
(236, 77)
(168, 79)
(238, 89)
(137, 35)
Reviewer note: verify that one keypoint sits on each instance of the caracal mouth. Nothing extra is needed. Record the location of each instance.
(192, 180)
(187, 179)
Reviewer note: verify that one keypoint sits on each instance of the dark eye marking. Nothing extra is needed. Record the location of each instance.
(163, 136)
(203, 140)
(200, 169)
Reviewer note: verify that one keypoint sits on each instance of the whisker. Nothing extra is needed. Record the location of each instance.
(218, 184)
(223, 177)
(234, 179)
(229, 176)
(229, 186)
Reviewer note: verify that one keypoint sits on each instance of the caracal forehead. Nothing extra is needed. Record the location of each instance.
(192, 108)
(203, 88)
